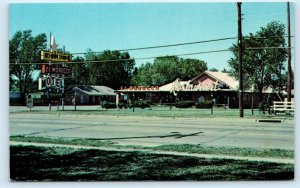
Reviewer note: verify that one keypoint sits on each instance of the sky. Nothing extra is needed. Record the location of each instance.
(114, 26)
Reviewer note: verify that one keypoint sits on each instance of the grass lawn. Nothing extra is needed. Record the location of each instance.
(188, 148)
(65, 164)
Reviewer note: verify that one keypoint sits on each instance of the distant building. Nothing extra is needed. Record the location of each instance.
(14, 98)
(90, 95)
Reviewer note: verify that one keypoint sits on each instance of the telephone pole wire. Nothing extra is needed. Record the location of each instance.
(240, 58)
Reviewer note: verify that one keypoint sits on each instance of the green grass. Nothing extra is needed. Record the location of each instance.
(158, 112)
(232, 151)
(65, 164)
(189, 148)
(80, 142)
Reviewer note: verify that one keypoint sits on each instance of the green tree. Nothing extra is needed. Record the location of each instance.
(166, 69)
(79, 74)
(260, 63)
(213, 69)
(24, 50)
(284, 79)
(112, 68)
(225, 70)
(143, 75)
(189, 68)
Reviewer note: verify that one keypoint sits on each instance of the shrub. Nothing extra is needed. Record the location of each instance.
(205, 104)
(140, 104)
(123, 105)
(107, 105)
(263, 106)
(184, 104)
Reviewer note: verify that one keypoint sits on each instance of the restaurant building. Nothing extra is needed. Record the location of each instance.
(219, 87)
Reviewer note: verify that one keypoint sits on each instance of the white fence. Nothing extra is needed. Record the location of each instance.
(283, 107)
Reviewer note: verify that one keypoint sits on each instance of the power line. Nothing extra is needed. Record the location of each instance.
(141, 58)
(153, 57)
(181, 44)
(168, 45)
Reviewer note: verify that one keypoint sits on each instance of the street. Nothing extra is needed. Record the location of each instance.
(156, 131)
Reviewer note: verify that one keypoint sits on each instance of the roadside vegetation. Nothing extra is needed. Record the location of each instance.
(232, 151)
(187, 148)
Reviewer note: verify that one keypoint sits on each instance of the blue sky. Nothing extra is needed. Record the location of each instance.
(102, 26)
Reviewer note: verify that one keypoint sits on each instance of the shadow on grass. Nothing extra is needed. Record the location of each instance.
(65, 164)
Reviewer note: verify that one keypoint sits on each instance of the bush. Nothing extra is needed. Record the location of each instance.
(108, 105)
(122, 105)
(184, 104)
(263, 106)
(141, 104)
(206, 104)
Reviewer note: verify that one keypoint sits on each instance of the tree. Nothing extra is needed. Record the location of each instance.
(166, 69)
(284, 79)
(260, 62)
(189, 68)
(143, 75)
(112, 68)
(225, 70)
(213, 69)
(79, 74)
(24, 50)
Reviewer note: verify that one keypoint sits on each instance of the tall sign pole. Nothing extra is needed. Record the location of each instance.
(54, 75)
(240, 47)
(289, 77)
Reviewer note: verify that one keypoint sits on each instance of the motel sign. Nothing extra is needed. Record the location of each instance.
(55, 56)
(51, 82)
(56, 70)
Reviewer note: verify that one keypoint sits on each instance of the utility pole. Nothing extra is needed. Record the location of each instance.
(49, 89)
(241, 95)
(289, 77)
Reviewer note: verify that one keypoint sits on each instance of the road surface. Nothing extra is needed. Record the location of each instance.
(155, 131)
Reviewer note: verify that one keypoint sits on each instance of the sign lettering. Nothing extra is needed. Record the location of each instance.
(55, 56)
(56, 69)
(140, 88)
(177, 86)
(48, 81)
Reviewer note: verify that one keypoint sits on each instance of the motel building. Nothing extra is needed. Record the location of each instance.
(219, 87)
(89, 95)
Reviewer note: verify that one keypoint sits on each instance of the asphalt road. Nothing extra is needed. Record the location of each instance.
(155, 131)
